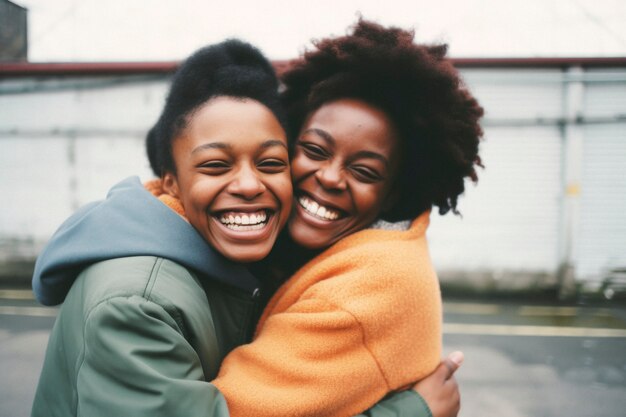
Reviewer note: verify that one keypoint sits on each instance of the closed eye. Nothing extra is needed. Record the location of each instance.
(272, 165)
(313, 151)
(365, 174)
(215, 167)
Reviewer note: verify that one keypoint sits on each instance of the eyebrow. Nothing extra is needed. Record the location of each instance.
(372, 155)
(321, 133)
(273, 142)
(362, 154)
(212, 145)
(221, 145)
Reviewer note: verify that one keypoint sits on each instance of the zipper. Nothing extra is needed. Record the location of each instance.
(253, 316)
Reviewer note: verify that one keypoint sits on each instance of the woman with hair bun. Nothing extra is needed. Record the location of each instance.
(382, 129)
(153, 280)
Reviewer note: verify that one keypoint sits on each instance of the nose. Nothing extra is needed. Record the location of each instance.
(331, 177)
(247, 184)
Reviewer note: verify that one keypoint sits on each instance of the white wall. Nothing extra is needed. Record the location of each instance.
(65, 141)
(64, 144)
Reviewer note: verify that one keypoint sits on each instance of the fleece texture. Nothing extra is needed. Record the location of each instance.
(155, 187)
(360, 320)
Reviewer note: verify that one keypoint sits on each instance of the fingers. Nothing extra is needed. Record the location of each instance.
(452, 363)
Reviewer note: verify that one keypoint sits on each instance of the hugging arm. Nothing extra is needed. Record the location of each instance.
(338, 348)
(437, 395)
(321, 368)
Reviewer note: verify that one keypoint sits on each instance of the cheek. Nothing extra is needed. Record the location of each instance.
(301, 167)
(369, 200)
(200, 194)
(281, 183)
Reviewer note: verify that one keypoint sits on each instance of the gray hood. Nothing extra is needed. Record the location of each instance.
(129, 222)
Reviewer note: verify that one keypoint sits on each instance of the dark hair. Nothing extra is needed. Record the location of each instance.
(417, 87)
(231, 68)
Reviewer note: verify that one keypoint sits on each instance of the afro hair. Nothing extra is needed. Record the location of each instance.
(420, 90)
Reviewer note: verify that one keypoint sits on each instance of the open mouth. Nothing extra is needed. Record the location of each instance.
(317, 210)
(240, 221)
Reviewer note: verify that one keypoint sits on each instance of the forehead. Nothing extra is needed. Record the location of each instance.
(233, 119)
(352, 122)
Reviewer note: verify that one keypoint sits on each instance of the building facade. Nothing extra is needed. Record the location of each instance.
(549, 210)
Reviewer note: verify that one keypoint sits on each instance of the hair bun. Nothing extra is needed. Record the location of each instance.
(231, 68)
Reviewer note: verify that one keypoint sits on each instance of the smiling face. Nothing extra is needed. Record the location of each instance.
(345, 162)
(232, 176)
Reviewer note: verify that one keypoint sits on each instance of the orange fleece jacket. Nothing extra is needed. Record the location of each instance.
(155, 187)
(360, 320)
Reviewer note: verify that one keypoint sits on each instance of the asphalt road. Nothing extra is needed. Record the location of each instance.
(521, 360)
(539, 361)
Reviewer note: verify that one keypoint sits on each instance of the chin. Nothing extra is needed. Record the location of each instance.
(246, 255)
(308, 240)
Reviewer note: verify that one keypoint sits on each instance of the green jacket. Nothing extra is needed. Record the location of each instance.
(141, 335)
(137, 337)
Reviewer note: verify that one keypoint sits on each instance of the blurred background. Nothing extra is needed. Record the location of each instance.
(540, 249)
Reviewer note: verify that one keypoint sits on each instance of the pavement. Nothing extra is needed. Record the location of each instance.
(524, 358)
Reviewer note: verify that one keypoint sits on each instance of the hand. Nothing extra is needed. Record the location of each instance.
(440, 390)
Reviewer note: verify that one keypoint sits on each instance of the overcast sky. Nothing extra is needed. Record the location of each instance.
(156, 30)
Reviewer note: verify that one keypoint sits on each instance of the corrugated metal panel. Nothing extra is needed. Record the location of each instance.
(511, 219)
(517, 94)
(46, 178)
(91, 137)
(606, 99)
(94, 103)
(34, 183)
(601, 243)
(103, 161)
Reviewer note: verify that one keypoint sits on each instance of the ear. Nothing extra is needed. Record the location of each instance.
(170, 185)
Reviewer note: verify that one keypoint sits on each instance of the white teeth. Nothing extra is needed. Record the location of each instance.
(314, 208)
(252, 221)
(240, 228)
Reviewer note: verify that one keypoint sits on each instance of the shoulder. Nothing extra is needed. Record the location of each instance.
(374, 272)
(383, 245)
(150, 297)
(399, 256)
(152, 278)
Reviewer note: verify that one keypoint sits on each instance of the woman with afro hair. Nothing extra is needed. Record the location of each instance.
(381, 130)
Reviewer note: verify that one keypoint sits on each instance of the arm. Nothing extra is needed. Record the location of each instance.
(300, 365)
(440, 389)
(337, 349)
(438, 392)
(400, 404)
(136, 362)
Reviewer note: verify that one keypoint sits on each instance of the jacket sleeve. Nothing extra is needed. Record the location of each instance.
(303, 373)
(400, 404)
(339, 347)
(136, 362)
